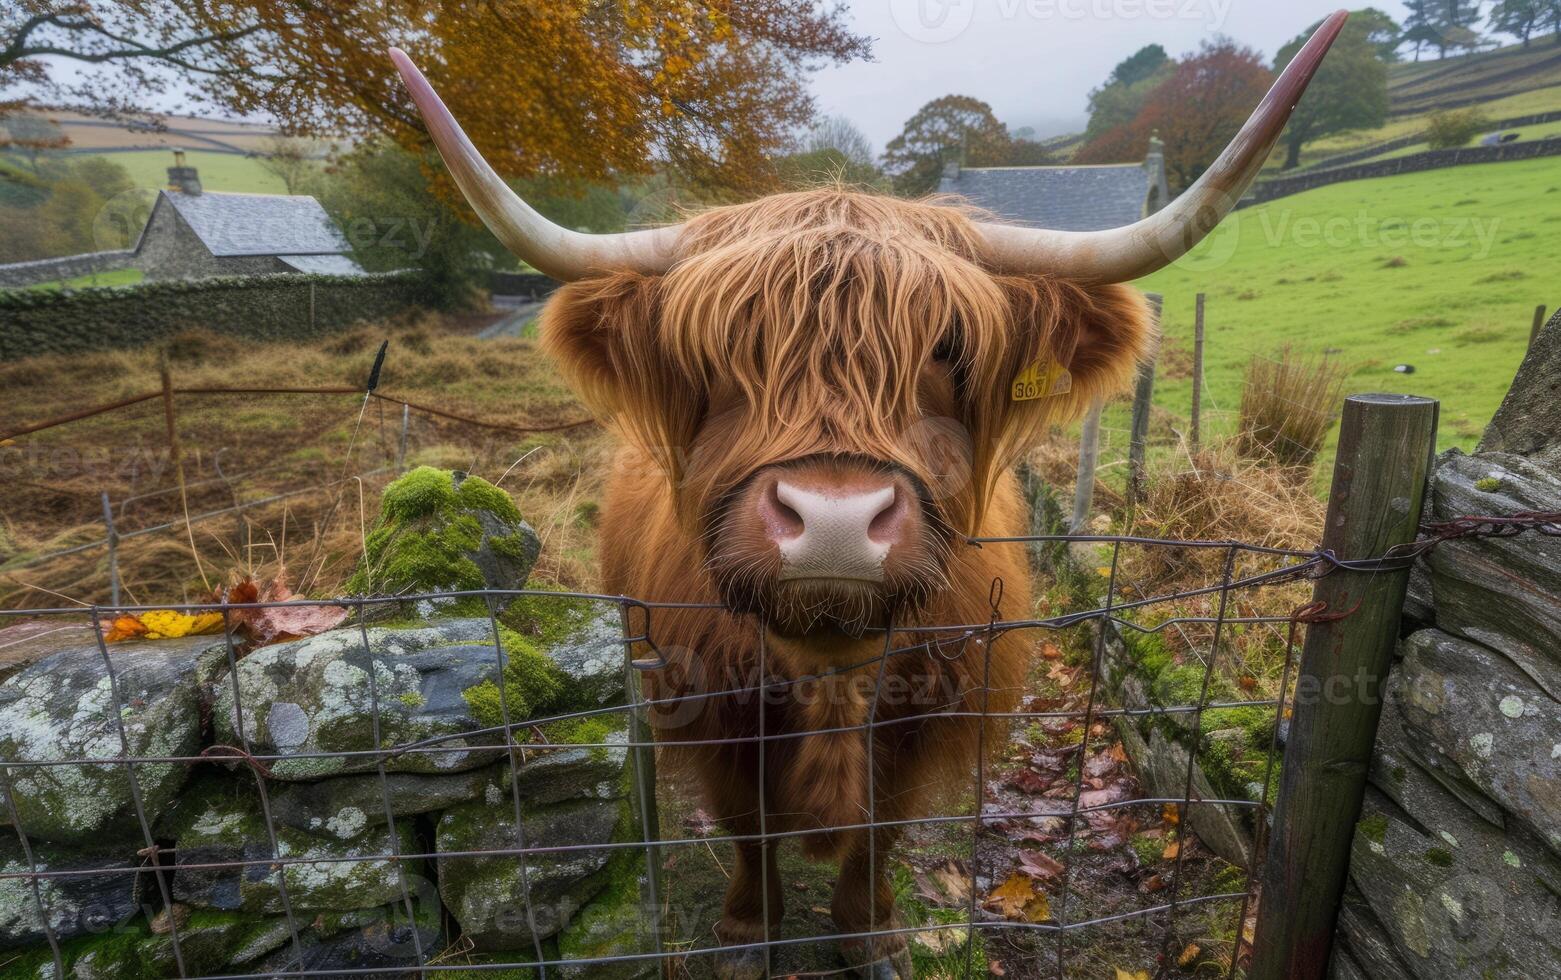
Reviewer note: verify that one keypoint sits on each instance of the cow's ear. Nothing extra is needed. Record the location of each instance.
(1100, 333)
(605, 335)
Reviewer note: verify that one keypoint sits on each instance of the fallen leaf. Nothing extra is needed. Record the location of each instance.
(1063, 675)
(1124, 975)
(123, 628)
(995, 967)
(1189, 955)
(1117, 752)
(1171, 850)
(1038, 864)
(1171, 813)
(1051, 651)
(1030, 781)
(1018, 898)
(954, 881)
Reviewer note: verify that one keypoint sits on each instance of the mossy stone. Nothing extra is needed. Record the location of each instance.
(446, 531)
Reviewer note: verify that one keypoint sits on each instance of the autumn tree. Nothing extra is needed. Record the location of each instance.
(586, 91)
(954, 128)
(1350, 90)
(1197, 111)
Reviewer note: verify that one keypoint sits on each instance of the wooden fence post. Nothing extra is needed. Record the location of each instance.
(1084, 483)
(170, 422)
(1143, 397)
(1539, 324)
(1386, 443)
(1197, 377)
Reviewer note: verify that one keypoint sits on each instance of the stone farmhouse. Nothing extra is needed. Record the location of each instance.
(195, 234)
(1066, 198)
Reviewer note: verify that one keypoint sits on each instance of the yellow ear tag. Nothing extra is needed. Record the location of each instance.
(1042, 379)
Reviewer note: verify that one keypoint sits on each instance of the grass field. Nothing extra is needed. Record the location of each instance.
(119, 277)
(1440, 270)
(219, 171)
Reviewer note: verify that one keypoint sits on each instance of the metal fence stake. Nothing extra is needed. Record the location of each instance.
(111, 536)
(1197, 377)
(1539, 324)
(1143, 398)
(1386, 443)
(401, 447)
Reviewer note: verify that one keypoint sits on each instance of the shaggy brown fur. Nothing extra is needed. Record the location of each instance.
(828, 325)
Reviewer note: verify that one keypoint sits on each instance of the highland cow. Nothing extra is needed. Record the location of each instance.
(820, 395)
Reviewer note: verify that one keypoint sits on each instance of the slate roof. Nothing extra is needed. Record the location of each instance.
(330, 265)
(1060, 198)
(259, 224)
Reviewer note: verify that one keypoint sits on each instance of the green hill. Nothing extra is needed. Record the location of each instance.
(1439, 270)
(219, 171)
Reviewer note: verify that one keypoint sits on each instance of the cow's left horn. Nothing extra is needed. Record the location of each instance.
(561, 253)
(1130, 252)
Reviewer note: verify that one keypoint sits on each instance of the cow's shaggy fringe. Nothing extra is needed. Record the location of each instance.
(815, 316)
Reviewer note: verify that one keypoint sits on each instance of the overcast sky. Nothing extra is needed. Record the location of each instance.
(1033, 61)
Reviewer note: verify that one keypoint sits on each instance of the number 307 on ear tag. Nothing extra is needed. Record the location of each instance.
(1042, 379)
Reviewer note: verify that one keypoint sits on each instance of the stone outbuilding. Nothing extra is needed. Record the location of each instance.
(191, 234)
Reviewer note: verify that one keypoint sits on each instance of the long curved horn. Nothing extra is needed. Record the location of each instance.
(563, 254)
(1132, 251)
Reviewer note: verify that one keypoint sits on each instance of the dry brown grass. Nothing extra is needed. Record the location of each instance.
(1287, 407)
(249, 447)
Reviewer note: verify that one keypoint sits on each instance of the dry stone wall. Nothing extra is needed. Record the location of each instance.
(1456, 862)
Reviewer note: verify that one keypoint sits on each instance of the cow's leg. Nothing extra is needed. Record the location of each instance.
(864, 902)
(743, 911)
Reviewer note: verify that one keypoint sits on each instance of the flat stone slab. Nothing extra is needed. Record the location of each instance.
(1489, 721)
(77, 905)
(317, 695)
(489, 895)
(63, 708)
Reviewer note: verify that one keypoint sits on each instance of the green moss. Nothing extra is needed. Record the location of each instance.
(1489, 484)
(533, 684)
(547, 620)
(1374, 828)
(1231, 878)
(1148, 849)
(1440, 857)
(427, 528)
(412, 699)
(476, 493)
(116, 953)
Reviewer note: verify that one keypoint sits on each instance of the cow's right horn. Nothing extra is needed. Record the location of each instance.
(561, 253)
(1132, 251)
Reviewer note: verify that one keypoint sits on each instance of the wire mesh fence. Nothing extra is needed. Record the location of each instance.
(416, 942)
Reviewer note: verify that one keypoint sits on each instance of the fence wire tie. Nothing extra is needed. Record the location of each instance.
(232, 753)
(1318, 612)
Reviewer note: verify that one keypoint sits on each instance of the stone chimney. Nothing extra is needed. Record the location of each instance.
(1159, 185)
(951, 169)
(182, 178)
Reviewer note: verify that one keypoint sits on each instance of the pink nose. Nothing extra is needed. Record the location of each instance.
(834, 534)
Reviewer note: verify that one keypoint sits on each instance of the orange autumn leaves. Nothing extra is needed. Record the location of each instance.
(253, 626)
(574, 91)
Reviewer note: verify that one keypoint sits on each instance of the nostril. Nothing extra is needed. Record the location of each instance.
(781, 521)
(887, 524)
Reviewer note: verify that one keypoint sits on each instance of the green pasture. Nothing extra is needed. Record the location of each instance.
(1440, 271)
(219, 171)
(118, 277)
